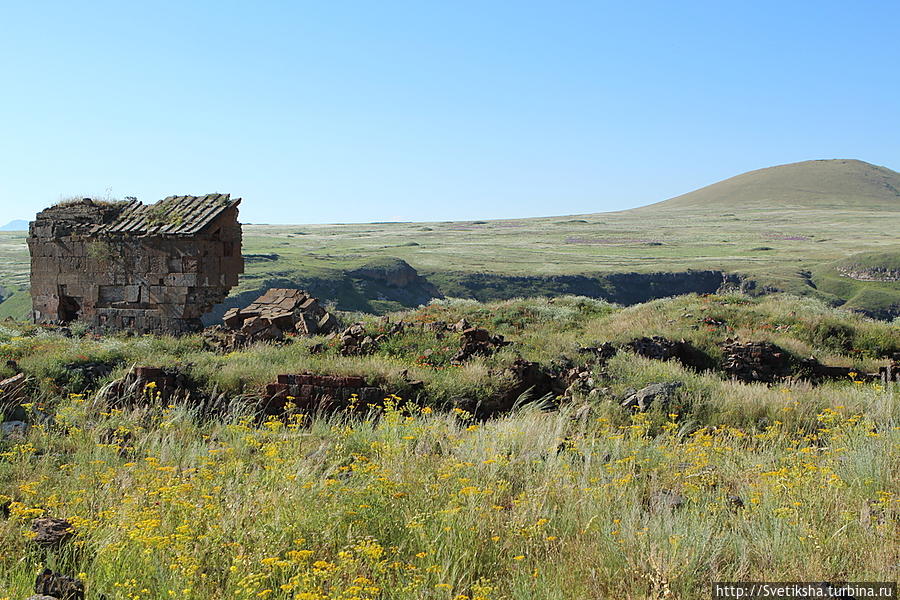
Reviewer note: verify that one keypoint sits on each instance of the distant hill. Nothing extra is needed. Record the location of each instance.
(819, 184)
(17, 225)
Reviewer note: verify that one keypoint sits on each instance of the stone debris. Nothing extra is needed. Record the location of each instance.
(88, 372)
(530, 378)
(580, 382)
(57, 586)
(478, 342)
(660, 394)
(279, 312)
(661, 348)
(602, 352)
(710, 322)
(766, 362)
(134, 267)
(755, 361)
(50, 531)
(149, 385)
(356, 342)
(13, 429)
(287, 310)
(437, 326)
(310, 392)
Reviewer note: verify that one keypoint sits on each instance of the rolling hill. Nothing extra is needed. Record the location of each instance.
(817, 184)
(16, 225)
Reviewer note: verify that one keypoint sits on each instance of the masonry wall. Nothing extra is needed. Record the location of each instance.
(116, 281)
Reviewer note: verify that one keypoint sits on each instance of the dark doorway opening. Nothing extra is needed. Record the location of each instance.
(69, 309)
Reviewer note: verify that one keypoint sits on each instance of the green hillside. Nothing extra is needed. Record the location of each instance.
(814, 184)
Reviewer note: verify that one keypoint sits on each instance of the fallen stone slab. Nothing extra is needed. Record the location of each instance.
(655, 393)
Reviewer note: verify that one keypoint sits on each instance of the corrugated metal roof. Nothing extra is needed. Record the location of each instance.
(176, 215)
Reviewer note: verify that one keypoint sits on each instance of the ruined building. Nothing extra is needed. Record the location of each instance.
(134, 267)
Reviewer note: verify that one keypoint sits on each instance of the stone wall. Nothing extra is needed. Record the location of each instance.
(83, 268)
(311, 392)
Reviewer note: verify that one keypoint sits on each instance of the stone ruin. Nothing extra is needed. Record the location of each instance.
(134, 267)
(279, 312)
(310, 392)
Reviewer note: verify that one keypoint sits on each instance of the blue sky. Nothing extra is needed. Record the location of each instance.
(370, 111)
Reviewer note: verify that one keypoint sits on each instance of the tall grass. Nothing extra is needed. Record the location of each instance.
(726, 481)
(415, 504)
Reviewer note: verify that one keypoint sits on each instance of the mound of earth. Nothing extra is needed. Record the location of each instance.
(820, 184)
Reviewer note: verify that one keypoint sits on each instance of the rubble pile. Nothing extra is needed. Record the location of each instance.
(87, 374)
(531, 378)
(356, 342)
(756, 361)
(310, 392)
(478, 342)
(602, 352)
(661, 348)
(279, 312)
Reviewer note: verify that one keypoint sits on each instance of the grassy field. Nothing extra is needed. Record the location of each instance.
(419, 499)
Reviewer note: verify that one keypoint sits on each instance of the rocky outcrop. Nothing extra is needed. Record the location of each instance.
(393, 272)
(621, 288)
(870, 274)
(395, 280)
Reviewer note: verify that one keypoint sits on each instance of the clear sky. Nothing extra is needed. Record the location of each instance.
(367, 111)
